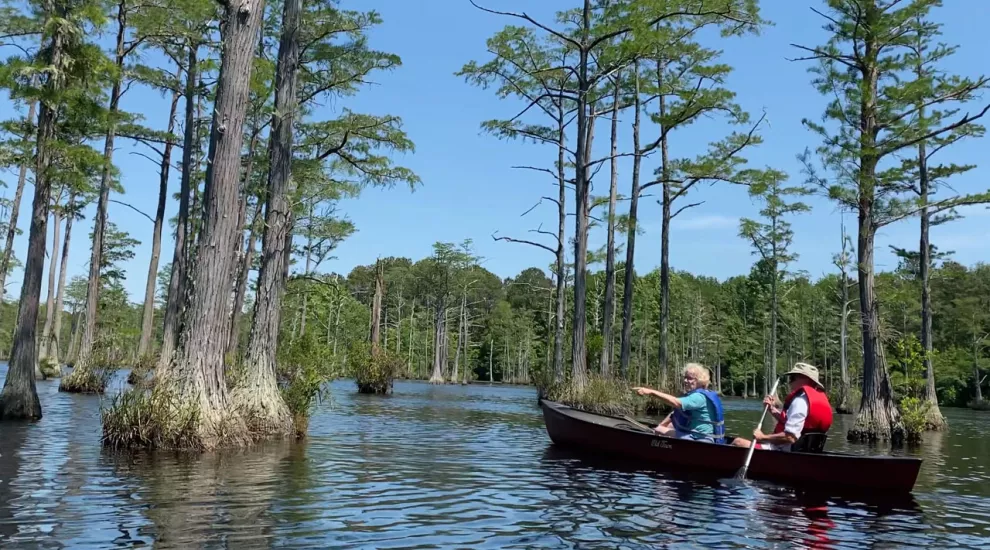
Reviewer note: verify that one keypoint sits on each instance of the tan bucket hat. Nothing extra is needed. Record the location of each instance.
(805, 369)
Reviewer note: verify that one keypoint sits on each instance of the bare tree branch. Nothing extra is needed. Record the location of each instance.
(541, 231)
(526, 17)
(914, 141)
(536, 169)
(133, 208)
(936, 207)
(685, 207)
(522, 241)
(819, 55)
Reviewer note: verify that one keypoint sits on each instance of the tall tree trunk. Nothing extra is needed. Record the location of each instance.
(718, 366)
(664, 244)
(309, 263)
(148, 314)
(460, 338)
(246, 255)
(843, 405)
(582, 194)
(376, 309)
(977, 382)
(467, 344)
(46, 333)
(256, 396)
(336, 324)
(77, 318)
(385, 325)
(933, 416)
(398, 326)
(177, 285)
(445, 348)
(15, 209)
(629, 279)
(439, 318)
(774, 311)
(82, 378)
(19, 398)
(560, 295)
(878, 416)
(412, 337)
(198, 366)
(609, 316)
(247, 260)
(54, 347)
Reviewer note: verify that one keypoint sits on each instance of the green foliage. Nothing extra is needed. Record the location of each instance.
(118, 247)
(913, 414)
(372, 372)
(303, 370)
(907, 367)
(772, 239)
(906, 113)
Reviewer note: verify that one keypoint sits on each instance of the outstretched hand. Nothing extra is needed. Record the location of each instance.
(643, 391)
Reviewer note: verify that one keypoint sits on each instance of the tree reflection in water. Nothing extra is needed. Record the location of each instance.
(213, 500)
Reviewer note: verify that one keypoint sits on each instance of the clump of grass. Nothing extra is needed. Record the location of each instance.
(149, 420)
(979, 405)
(914, 416)
(93, 379)
(600, 395)
(373, 372)
(139, 374)
(50, 368)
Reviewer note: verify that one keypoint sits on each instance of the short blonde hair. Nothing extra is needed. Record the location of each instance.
(700, 372)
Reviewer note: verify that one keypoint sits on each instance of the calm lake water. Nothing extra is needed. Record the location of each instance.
(446, 467)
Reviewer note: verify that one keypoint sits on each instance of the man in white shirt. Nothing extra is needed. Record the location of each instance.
(797, 412)
(807, 410)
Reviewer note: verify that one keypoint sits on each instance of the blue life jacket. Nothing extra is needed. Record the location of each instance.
(682, 418)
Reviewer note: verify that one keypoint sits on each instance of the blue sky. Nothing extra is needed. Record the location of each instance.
(469, 189)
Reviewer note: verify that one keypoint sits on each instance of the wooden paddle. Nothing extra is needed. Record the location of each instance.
(638, 424)
(741, 474)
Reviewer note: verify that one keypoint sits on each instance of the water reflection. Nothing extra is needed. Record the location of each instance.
(446, 467)
(13, 438)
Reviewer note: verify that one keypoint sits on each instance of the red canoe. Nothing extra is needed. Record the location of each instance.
(600, 434)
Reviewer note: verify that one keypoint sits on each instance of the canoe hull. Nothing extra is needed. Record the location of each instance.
(613, 436)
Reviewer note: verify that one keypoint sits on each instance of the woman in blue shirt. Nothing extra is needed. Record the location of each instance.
(697, 413)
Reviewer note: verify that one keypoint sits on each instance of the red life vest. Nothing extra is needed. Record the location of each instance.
(819, 417)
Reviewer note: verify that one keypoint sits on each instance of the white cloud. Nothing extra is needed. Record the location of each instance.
(712, 221)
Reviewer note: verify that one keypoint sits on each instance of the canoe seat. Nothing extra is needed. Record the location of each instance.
(810, 442)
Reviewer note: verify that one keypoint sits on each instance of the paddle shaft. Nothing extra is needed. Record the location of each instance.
(752, 444)
(637, 424)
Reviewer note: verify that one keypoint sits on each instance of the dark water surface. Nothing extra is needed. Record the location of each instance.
(447, 467)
